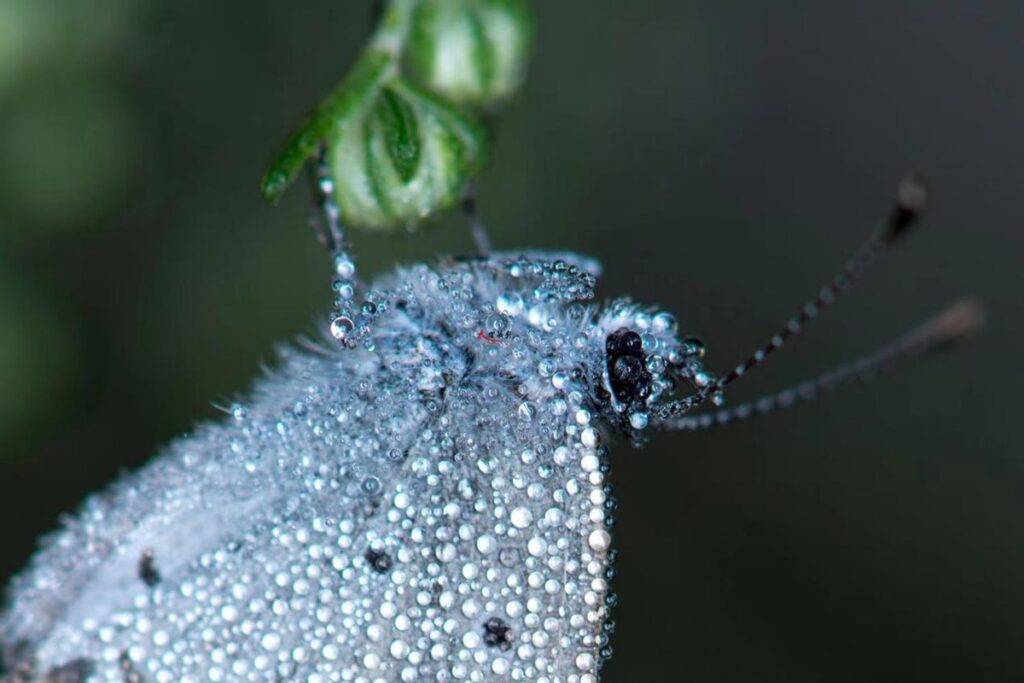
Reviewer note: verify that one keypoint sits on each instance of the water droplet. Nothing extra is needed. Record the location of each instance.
(343, 266)
(509, 557)
(371, 485)
(510, 304)
(340, 327)
(599, 540)
(521, 517)
(692, 346)
(664, 322)
(638, 420)
(486, 544)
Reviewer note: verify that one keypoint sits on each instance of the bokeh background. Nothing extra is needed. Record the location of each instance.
(721, 158)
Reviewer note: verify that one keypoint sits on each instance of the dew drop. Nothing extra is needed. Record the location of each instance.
(638, 420)
(371, 485)
(343, 266)
(599, 540)
(664, 322)
(521, 517)
(693, 346)
(340, 327)
(486, 544)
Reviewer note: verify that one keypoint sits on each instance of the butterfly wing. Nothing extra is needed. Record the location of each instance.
(198, 565)
(496, 548)
(426, 510)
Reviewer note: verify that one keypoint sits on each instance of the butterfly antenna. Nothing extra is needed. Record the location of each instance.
(911, 199)
(481, 238)
(956, 323)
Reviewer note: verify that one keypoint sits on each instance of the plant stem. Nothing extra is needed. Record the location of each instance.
(378, 62)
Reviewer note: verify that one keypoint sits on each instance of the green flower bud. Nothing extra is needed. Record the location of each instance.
(473, 52)
(402, 156)
(397, 152)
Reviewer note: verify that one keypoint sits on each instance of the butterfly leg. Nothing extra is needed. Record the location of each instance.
(476, 226)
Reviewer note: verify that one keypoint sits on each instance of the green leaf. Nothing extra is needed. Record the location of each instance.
(484, 57)
(357, 91)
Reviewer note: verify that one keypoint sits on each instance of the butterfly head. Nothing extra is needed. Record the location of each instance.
(643, 365)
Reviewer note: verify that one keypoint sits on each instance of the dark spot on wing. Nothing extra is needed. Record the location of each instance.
(75, 671)
(17, 662)
(378, 560)
(128, 671)
(147, 569)
(497, 633)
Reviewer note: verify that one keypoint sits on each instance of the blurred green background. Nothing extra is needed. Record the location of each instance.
(721, 158)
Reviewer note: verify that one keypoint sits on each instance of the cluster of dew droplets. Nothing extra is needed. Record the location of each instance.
(502, 594)
(689, 358)
(351, 317)
(687, 361)
(436, 510)
(342, 322)
(558, 280)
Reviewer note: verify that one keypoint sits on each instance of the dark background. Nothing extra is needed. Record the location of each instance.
(721, 158)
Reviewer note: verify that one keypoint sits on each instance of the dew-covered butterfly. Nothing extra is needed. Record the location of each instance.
(425, 500)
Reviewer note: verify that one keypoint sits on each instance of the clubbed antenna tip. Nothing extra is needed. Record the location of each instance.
(911, 201)
(961, 320)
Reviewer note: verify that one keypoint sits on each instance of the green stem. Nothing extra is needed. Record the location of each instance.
(393, 28)
(378, 62)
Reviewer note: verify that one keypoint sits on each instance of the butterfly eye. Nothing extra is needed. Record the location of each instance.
(623, 341)
(627, 370)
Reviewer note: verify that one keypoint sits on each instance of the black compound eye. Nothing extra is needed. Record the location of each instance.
(627, 370)
(623, 341)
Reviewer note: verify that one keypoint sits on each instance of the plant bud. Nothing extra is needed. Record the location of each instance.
(473, 52)
(402, 156)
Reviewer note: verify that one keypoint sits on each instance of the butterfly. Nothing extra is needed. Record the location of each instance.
(420, 495)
